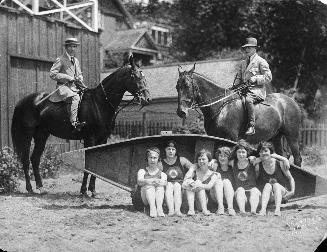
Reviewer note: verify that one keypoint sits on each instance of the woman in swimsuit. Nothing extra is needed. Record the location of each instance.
(175, 168)
(152, 181)
(245, 178)
(221, 165)
(272, 172)
(200, 179)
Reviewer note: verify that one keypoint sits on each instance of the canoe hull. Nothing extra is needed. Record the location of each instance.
(119, 162)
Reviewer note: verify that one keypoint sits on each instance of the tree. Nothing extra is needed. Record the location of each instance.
(208, 27)
(291, 33)
(294, 34)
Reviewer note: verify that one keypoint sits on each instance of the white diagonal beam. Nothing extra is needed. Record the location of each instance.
(73, 15)
(76, 13)
(23, 6)
(64, 9)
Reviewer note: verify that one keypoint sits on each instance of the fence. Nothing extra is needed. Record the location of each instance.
(314, 135)
(311, 135)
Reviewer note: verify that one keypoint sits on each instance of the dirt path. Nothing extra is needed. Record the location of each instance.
(63, 221)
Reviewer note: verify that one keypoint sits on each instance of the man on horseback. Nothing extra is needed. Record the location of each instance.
(67, 72)
(255, 73)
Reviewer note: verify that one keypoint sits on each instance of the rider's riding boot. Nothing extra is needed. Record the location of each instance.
(251, 116)
(250, 131)
(73, 113)
(78, 125)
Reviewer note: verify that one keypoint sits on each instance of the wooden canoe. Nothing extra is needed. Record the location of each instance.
(118, 163)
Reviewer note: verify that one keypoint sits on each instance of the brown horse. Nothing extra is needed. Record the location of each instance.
(36, 120)
(224, 116)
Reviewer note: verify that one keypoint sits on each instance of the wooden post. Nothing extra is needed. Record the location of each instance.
(95, 13)
(144, 124)
(35, 6)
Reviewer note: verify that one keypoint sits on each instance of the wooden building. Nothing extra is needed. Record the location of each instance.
(28, 47)
(137, 41)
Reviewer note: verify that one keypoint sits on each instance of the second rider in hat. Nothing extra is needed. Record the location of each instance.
(255, 70)
(67, 72)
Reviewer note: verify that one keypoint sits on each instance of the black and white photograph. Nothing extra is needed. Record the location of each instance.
(163, 125)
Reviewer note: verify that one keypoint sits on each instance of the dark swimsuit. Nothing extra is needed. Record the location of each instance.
(226, 174)
(244, 177)
(277, 176)
(175, 172)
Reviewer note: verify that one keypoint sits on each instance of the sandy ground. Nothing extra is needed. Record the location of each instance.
(64, 221)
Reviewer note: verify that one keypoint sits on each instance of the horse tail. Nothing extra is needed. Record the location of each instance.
(25, 119)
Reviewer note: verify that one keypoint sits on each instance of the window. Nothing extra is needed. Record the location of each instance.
(165, 38)
(159, 37)
(154, 35)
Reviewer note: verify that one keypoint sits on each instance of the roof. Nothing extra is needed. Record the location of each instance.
(162, 79)
(112, 5)
(131, 39)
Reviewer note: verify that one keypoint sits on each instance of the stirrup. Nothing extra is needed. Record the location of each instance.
(78, 125)
(250, 131)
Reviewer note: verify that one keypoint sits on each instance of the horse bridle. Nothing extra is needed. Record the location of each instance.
(137, 95)
(194, 104)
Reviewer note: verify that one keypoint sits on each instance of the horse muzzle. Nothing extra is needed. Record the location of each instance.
(182, 112)
(144, 97)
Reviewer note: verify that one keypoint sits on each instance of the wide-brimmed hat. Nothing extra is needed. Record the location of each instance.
(250, 42)
(71, 41)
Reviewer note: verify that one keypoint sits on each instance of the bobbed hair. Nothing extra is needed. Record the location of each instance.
(223, 150)
(154, 149)
(203, 152)
(241, 144)
(267, 145)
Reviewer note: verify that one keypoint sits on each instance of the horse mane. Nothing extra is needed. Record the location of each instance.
(110, 76)
(208, 79)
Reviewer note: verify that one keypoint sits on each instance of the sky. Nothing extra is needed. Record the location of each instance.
(323, 1)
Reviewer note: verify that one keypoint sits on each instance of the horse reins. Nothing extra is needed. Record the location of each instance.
(195, 105)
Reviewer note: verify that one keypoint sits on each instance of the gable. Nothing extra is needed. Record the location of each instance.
(145, 43)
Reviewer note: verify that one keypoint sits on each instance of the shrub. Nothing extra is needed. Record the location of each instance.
(191, 128)
(313, 155)
(9, 170)
(50, 162)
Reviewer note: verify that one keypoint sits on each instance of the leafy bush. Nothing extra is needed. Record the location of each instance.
(9, 170)
(313, 155)
(50, 162)
(191, 128)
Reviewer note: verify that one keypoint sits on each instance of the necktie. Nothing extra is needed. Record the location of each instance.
(72, 60)
(247, 61)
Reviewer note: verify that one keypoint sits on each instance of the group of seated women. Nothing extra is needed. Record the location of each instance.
(232, 175)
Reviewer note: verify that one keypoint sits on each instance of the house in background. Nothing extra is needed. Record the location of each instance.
(161, 35)
(137, 41)
(114, 18)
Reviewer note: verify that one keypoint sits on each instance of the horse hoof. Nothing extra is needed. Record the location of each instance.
(41, 191)
(30, 191)
(94, 194)
(84, 194)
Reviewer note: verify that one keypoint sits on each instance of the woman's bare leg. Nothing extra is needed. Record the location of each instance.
(229, 195)
(170, 198)
(266, 192)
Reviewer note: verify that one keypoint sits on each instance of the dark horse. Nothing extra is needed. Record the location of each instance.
(97, 108)
(278, 116)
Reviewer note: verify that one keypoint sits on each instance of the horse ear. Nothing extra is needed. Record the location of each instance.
(192, 70)
(131, 60)
(180, 69)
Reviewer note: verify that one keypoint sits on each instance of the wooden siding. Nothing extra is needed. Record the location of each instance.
(28, 47)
